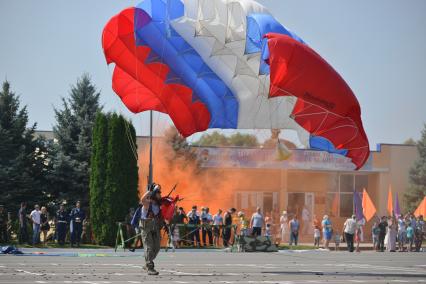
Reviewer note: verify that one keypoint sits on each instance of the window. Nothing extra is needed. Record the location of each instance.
(346, 183)
(340, 203)
(361, 182)
(346, 205)
(333, 183)
(248, 201)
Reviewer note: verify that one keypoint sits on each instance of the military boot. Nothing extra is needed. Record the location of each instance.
(152, 271)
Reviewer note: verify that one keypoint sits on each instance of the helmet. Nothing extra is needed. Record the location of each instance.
(155, 188)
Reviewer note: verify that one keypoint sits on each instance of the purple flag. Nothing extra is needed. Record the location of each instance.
(396, 209)
(358, 207)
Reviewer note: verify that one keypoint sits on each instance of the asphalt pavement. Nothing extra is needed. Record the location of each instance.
(212, 266)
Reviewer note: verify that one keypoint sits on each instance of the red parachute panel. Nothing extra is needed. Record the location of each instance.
(326, 105)
(141, 86)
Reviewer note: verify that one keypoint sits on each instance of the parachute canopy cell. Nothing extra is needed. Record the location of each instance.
(231, 65)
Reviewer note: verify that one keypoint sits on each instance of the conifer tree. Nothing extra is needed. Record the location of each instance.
(71, 154)
(23, 158)
(114, 175)
(98, 175)
(417, 189)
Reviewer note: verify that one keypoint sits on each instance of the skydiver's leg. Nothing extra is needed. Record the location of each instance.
(148, 242)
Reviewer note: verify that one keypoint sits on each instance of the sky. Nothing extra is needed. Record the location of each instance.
(379, 48)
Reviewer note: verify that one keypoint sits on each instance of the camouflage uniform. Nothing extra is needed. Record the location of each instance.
(150, 225)
(151, 238)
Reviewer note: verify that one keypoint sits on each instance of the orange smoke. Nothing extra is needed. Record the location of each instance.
(197, 186)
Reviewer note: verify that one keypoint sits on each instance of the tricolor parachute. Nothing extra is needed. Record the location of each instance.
(230, 64)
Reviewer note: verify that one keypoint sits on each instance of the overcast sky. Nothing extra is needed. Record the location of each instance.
(379, 47)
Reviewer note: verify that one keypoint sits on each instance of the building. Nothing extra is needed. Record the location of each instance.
(323, 183)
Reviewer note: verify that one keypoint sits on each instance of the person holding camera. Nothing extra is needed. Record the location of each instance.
(150, 225)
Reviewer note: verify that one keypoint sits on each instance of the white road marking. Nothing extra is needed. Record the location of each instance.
(232, 274)
(187, 273)
(28, 272)
(134, 282)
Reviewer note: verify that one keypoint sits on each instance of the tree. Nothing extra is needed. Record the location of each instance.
(114, 175)
(417, 187)
(98, 175)
(213, 139)
(23, 158)
(243, 140)
(410, 141)
(69, 177)
(217, 139)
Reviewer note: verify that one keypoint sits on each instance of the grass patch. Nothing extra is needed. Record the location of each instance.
(287, 247)
(55, 245)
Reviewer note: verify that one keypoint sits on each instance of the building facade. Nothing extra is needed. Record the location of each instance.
(322, 183)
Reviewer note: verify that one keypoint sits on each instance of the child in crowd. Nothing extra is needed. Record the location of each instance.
(244, 224)
(410, 236)
(337, 239)
(317, 236)
(268, 233)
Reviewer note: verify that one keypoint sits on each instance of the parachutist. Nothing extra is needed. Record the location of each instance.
(150, 224)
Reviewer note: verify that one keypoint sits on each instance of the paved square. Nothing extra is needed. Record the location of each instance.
(195, 266)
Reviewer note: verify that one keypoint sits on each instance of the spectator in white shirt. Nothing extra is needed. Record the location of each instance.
(256, 222)
(306, 218)
(349, 229)
(284, 226)
(35, 218)
(217, 223)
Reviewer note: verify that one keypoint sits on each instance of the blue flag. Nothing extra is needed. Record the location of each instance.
(358, 207)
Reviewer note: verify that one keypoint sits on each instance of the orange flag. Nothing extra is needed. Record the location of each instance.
(421, 210)
(390, 202)
(368, 207)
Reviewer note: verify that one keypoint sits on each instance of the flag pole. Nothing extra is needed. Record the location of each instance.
(150, 176)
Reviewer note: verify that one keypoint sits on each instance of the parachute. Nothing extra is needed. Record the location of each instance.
(230, 64)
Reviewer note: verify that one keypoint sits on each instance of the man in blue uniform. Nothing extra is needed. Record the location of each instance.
(150, 224)
(77, 217)
(61, 224)
(194, 222)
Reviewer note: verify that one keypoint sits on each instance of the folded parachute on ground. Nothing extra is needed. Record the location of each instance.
(229, 64)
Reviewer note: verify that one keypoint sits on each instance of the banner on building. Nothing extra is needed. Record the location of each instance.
(211, 157)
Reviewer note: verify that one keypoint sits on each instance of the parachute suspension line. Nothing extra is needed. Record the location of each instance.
(128, 135)
(131, 142)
